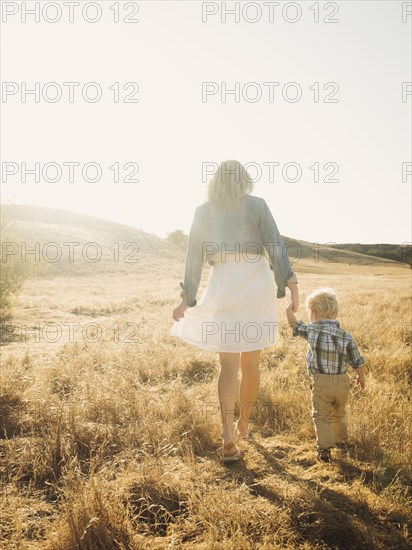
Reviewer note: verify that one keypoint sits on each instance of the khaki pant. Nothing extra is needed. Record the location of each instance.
(330, 394)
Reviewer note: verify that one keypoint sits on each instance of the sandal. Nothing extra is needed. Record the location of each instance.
(231, 457)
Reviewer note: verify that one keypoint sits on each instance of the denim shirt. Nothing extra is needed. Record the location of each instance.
(250, 230)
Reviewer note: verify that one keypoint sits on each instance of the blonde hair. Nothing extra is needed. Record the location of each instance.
(323, 301)
(228, 184)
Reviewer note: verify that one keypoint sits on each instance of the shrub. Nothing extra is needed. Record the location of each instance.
(14, 272)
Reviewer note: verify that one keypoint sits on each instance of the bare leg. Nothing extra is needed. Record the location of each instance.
(228, 388)
(249, 387)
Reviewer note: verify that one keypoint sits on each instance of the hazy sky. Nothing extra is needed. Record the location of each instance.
(172, 131)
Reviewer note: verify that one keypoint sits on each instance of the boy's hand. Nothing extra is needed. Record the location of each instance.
(360, 379)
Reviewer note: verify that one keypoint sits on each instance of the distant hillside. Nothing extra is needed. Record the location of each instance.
(87, 244)
(63, 223)
(329, 252)
(398, 253)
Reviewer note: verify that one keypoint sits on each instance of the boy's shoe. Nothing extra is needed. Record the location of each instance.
(324, 455)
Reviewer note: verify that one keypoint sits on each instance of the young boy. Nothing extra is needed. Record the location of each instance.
(330, 349)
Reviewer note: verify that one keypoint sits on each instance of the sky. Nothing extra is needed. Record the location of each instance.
(336, 110)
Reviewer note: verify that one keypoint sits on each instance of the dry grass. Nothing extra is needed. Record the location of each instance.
(114, 444)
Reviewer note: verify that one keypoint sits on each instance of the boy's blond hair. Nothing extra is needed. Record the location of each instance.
(323, 301)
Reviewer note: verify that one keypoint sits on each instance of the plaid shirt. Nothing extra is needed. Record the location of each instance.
(330, 347)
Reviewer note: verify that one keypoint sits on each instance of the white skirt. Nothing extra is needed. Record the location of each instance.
(237, 310)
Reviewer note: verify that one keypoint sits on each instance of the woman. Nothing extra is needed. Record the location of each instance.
(237, 315)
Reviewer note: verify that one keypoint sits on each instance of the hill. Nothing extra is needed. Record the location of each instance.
(396, 252)
(69, 243)
(73, 243)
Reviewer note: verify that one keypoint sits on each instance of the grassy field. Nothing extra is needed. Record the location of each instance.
(110, 428)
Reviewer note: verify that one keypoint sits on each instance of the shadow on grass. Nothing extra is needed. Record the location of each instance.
(323, 515)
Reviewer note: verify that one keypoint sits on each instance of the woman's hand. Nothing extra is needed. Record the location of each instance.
(294, 296)
(179, 311)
